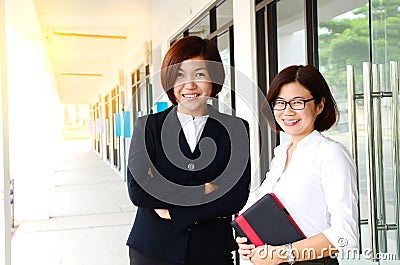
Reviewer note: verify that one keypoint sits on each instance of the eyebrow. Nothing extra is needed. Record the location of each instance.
(196, 69)
(298, 97)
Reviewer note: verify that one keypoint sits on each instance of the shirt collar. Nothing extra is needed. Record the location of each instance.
(314, 136)
(185, 118)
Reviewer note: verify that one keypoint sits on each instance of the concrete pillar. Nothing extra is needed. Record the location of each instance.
(246, 76)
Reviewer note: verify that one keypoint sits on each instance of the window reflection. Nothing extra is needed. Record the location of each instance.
(224, 13)
(202, 28)
(225, 95)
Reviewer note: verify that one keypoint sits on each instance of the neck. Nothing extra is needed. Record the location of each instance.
(297, 139)
(201, 111)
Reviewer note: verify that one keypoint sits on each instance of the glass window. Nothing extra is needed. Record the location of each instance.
(224, 13)
(291, 36)
(202, 28)
(343, 39)
(225, 96)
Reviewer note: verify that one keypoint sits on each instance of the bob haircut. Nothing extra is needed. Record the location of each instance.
(313, 81)
(187, 48)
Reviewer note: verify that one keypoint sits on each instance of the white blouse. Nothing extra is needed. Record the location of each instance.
(318, 188)
(192, 128)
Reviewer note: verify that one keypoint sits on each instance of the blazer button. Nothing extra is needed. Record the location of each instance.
(190, 166)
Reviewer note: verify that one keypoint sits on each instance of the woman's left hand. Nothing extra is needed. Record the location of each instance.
(163, 213)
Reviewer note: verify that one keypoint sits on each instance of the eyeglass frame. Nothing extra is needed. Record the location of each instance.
(289, 103)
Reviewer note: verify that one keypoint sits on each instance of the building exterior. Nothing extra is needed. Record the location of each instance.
(354, 44)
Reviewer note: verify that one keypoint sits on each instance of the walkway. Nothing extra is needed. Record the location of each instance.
(90, 211)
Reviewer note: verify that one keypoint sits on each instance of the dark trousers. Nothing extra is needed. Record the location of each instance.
(137, 258)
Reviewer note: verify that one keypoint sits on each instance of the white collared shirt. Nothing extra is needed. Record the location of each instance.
(192, 128)
(318, 188)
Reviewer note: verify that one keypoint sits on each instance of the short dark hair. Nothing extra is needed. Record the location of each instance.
(313, 81)
(187, 48)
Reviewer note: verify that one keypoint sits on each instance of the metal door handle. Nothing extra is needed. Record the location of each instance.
(370, 162)
(394, 85)
(351, 99)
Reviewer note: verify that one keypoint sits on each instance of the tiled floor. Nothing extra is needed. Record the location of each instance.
(91, 217)
(90, 211)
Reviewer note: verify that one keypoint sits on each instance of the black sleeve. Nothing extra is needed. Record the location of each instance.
(226, 202)
(139, 179)
(146, 187)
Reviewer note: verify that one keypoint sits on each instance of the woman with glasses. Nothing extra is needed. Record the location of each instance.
(313, 176)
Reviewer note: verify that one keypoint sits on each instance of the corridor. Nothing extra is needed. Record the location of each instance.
(90, 215)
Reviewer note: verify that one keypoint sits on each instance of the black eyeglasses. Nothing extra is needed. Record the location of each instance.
(295, 104)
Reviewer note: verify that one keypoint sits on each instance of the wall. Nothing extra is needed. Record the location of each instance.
(5, 209)
(34, 112)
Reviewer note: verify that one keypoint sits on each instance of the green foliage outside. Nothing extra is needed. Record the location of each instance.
(344, 41)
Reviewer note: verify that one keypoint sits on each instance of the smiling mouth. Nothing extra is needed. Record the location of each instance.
(290, 122)
(190, 96)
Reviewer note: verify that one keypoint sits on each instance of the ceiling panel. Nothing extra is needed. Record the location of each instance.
(85, 39)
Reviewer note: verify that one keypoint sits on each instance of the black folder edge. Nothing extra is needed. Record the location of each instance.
(242, 228)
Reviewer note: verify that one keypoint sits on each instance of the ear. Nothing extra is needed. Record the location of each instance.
(320, 106)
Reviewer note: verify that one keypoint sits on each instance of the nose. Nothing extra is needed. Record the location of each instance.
(189, 84)
(288, 110)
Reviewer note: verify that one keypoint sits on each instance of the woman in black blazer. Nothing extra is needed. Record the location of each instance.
(189, 166)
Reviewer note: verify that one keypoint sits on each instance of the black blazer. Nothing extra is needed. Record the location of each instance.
(164, 173)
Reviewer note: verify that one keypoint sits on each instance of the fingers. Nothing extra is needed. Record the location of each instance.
(245, 250)
(241, 240)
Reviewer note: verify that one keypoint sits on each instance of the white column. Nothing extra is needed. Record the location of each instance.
(246, 76)
(5, 216)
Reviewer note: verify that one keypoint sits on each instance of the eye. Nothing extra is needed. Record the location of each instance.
(179, 74)
(200, 74)
(297, 103)
(279, 103)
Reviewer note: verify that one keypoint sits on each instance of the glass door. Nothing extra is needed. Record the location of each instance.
(358, 54)
(358, 51)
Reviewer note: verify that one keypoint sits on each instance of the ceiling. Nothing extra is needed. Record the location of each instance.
(85, 39)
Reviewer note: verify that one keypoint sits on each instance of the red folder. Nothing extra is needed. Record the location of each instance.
(267, 222)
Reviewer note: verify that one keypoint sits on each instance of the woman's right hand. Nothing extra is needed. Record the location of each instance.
(245, 250)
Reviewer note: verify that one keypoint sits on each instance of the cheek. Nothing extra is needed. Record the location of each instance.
(177, 94)
(277, 116)
(208, 89)
(177, 90)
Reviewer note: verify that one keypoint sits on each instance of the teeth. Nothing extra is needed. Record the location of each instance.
(190, 95)
(291, 121)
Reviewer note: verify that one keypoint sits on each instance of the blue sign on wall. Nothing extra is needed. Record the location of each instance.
(127, 124)
(161, 105)
(117, 118)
